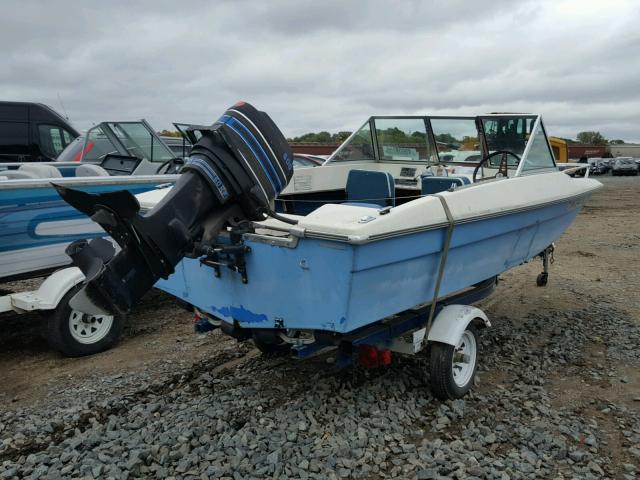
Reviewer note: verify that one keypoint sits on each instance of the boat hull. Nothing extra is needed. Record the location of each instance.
(337, 286)
(36, 225)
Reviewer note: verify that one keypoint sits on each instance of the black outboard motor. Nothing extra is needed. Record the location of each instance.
(236, 169)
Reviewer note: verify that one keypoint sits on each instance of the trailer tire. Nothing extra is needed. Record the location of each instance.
(75, 334)
(451, 380)
(542, 279)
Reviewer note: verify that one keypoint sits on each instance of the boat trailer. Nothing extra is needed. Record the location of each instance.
(450, 336)
(69, 331)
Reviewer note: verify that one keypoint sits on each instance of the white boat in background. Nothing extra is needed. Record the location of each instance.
(36, 225)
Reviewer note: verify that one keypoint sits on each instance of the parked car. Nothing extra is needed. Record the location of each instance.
(32, 132)
(624, 166)
(598, 166)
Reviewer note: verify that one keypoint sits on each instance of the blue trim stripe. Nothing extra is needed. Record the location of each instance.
(23, 210)
(255, 140)
(205, 168)
(270, 171)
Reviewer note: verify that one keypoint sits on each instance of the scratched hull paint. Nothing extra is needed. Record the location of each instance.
(333, 286)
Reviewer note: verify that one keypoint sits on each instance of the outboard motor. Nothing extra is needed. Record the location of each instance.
(236, 169)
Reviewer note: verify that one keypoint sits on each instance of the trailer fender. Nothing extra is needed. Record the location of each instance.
(451, 322)
(56, 286)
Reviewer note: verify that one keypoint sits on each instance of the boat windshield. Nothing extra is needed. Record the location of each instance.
(135, 139)
(402, 139)
(141, 141)
(90, 147)
(358, 147)
(458, 140)
(388, 139)
(189, 131)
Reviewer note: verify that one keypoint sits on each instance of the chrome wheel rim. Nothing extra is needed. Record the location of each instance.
(88, 329)
(464, 359)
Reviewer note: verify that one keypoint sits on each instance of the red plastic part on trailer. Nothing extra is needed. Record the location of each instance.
(372, 357)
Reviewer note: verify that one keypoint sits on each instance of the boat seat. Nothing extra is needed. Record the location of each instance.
(431, 184)
(367, 188)
(40, 171)
(91, 170)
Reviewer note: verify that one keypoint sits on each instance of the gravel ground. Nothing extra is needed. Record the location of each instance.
(557, 396)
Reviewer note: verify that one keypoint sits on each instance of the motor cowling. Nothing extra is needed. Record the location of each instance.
(236, 169)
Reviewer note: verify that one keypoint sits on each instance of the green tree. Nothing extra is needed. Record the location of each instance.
(448, 139)
(169, 133)
(321, 137)
(591, 138)
(307, 137)
(616, 142)
(340, 136)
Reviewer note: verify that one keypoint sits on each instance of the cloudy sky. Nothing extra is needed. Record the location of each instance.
(327, 65)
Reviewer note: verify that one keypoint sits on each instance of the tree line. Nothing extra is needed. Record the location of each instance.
(395, 135)
(595, 138)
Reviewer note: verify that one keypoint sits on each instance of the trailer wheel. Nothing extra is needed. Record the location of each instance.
(453, 368)
(76, 334)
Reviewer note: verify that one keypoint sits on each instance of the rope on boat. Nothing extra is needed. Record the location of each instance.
(443, 260)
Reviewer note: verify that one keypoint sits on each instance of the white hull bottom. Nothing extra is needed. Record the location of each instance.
(21, 262)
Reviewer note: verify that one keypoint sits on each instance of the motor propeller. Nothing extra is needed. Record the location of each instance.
(238, 167)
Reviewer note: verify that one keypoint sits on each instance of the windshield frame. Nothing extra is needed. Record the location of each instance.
(432, 143)
(120, 147)
(523, 160)
(156, 141)
(479, 131)
(347, 142)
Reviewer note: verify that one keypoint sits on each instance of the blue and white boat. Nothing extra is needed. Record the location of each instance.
(36, 225)
(390, 223)
(350, 262)
(408, 222)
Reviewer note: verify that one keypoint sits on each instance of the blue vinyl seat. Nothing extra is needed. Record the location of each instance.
(432, 184)
(465, 180)
(370, 189)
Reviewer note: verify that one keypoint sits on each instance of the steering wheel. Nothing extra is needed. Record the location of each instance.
(504, 153)
(170, 166)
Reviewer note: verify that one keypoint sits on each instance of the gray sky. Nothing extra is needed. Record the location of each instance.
(328, 65)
